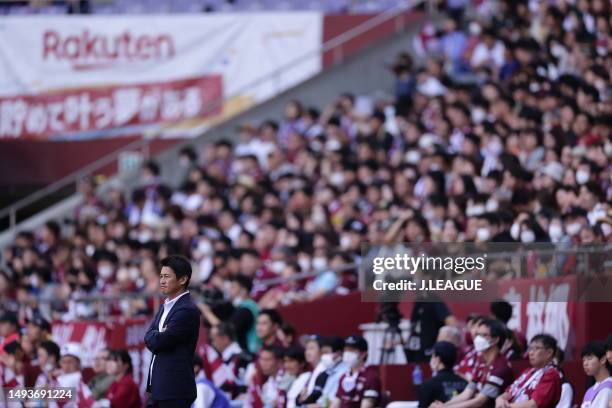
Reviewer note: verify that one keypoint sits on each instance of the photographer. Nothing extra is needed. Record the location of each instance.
(243, 317)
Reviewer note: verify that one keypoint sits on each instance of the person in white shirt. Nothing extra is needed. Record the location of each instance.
(595, 364)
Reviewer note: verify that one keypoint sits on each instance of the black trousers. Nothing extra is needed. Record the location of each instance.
(182, 403)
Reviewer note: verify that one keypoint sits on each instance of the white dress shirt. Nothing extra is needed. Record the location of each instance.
(168, 305)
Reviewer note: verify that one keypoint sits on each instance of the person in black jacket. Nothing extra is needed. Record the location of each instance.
(444, 384)
(172, 338)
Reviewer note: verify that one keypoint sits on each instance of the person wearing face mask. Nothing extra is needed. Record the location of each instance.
(540, 385)
(102, 380)
(331, 357)
(490, 378)
(360, 386)
(444, 384)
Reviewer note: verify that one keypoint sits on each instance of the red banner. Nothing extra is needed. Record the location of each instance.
(94, 336)
(90, 109)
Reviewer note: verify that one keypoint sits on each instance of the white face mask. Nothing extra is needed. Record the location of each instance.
(527, 236)
(304, 264)
(345, 242)
(351, 358)
(573, 228)
(413, 157)
(515, 231)
(555, 232)
(327, 360)
(483, 234)
(105, 271)
(277, 266)
(492, 205)
(481, 344)
(337, 178)
(319, 263)
(582, 176)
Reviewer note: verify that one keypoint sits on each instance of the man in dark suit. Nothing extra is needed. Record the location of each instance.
(172, 338)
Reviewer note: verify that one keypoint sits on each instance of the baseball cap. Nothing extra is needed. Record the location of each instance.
(72, 349)
(357, 342)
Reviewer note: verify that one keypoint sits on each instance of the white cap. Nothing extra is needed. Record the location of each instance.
(72, 349)
(554, 170)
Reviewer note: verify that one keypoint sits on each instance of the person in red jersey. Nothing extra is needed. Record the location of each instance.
(360, 386)
(540, 385)
(489, 379)
(470, 358)
(123, 393)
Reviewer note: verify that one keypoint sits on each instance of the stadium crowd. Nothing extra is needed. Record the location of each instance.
(501, 135)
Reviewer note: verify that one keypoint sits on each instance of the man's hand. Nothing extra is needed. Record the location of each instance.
(436, 404)
(502, 402)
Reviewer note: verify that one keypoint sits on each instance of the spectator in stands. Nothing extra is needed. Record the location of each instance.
(449, 334)
(123, 392)
(226, 363)
(296, 375)
(444, 384)
(9, 329)
(490, 378)
(70, 375)
(595, 364)
(264, 389)
(427, 318)
(540, 385)
(360, 385)
(208, 395)
(102, 379)
(48, 359)
(38, 329)
(244, 315)
(514, 346)
(11, 365)
(286, 334)
(331, 357)
(313, 390)
(268, 323)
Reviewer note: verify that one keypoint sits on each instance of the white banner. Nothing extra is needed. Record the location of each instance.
(41, 57)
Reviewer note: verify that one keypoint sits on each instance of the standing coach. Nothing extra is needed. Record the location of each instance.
(172, 338)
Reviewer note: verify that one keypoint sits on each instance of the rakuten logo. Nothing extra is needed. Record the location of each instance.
(87, 51)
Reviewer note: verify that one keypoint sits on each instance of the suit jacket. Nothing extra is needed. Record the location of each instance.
(174, 348)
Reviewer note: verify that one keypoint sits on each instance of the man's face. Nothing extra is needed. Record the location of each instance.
(113, 367)
(99, 361)
(539, 355)
(33, 332)
(592, 364)
(268, 363)
(609, 356)
(6, 329)
(218, 341)
(43, 357)
(264, 327)
(168, 282)
(292, 367)
(313, 352)
(69, 364)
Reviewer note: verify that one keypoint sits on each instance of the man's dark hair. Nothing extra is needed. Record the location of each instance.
(288, 329)
(497, 329)
(502, 310)
(54, 227)
(244, 282)
(153, 167)
(12, 347)
(334, 342)
(189, 152)
(295, 353)
(547, 341)
(51, 348)
(179, 265)
(595, 348)
(274, 316)
(475, 318)
(446, 352)
(124, 356)
(277, 351)
(609, 343)
(227, 330)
